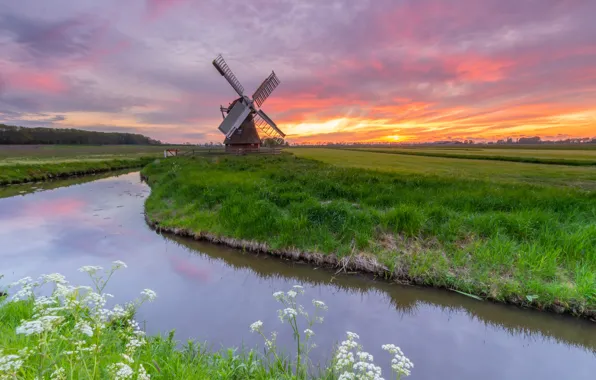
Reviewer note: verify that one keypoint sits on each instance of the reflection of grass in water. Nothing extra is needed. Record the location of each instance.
(26, 188)
(501, 241)
(406, 300)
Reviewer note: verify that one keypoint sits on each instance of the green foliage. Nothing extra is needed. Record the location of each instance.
(21, 135)
(25, 172)
(497, 240)
(491, 156)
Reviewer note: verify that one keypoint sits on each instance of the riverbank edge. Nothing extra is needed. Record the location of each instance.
(73, 172)
(358, 263)
(361, 264)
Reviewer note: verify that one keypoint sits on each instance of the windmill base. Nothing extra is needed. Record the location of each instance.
(242, 148)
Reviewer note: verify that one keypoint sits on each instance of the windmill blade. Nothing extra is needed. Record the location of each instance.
(265, 89)
(267, 126)
(234, 119)
(226, 72)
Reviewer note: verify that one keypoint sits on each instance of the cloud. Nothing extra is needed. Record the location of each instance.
(372, 69)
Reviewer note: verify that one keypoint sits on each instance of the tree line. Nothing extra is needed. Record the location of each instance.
(22, 136)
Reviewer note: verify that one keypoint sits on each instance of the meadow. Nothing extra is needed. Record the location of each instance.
(457, 169)
(70, 333)
(488, 230)
(583, 155)
(25, 163)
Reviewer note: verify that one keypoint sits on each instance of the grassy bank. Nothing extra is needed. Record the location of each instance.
(511, 242)
(42, 170)
(70, 334)
(553, 157)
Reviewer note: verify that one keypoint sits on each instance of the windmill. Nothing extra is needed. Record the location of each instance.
(243, 116)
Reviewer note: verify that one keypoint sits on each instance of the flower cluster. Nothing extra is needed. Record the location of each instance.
(353, 363)
(75, 318)
(400, 364)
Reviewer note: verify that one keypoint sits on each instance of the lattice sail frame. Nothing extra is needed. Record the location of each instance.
(244, 107)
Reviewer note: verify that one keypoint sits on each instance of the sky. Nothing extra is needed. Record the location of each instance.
(365, 70)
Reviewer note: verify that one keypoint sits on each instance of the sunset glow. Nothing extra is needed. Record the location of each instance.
(382, 70)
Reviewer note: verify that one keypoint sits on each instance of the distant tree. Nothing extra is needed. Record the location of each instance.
(21, 135)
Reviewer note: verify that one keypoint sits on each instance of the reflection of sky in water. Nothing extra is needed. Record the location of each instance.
(211, 300)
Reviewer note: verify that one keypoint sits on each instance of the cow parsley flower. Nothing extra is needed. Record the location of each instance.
(90, 269)
(319, 304)
(143, 375)
(121, 371)
(292, 294)
(54, 277)
(309, 333)
(119, 264)
(256, 327)
(287, 314)
(58, 374)
(10, 363)
(84, 328)
(400, 364)
(149, 295)
(279, 295)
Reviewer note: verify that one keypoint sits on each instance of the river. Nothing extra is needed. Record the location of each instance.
(212, 293)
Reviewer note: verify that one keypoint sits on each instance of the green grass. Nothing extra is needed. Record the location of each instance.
(495, 171)
(32, 171)
(551, 157)
(162, 356)
(504, 240)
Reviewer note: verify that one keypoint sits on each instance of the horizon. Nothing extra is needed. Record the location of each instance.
(384, 71)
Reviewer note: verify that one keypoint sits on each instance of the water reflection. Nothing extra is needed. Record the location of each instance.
(214, 293)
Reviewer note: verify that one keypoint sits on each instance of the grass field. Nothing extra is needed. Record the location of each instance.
(568, 156)
(496, 171)
(24, 163)
(480, 228)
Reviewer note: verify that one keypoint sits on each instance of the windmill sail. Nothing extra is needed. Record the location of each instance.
(265, 89)
(267, 126)
(226, 72)
(235, 117)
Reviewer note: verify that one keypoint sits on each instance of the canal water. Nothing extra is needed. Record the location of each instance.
(211, 293)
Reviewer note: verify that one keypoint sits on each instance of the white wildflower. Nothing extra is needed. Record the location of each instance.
(91, 269)
(298, 287)
(278, 295)
(287, 314)
(58, 374)
(292, 294)
(39, 325)
(119, 264)
(143, 375)
(127, 358)
(54, 277)
(10, 363)
(309, 333)
(149, 295)
(319, 304)
(256, 327)
(121, 371)
(400, 364)
(84, 328)
(352, 335)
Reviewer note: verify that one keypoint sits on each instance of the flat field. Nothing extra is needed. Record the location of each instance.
(22, 163)
(573, 155)
(457, 169)
(521, 233)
